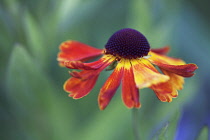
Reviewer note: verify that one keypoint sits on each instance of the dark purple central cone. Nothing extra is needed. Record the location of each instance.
(127, 43)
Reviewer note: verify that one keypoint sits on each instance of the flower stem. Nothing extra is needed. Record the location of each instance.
(135, 123)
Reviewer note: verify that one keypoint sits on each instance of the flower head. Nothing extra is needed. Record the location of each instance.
(127, 43)
(135, 69)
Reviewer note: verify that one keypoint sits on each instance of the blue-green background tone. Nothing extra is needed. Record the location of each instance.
(33, 105)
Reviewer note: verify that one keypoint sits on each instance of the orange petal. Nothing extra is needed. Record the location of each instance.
(163, 50)
(182, 70)
(157, 58)
(77, 65)
(89, 66)
(110, 86)
(168, 90)
(74, 51)
(84, 75)
(97, 67)
(175, 80)
(79, 88)
(145, 73)
(130, 94)
(164, 91)
(82, 82)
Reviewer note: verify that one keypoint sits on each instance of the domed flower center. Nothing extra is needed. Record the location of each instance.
(127, 43)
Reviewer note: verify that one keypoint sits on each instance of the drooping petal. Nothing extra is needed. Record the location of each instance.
(175, 80)
(164, 91)
(110, 86)
(176, 69)
(77, 65)
(89, 66)
(74, 51)
(182, 70)
(79, 88)
(86, 74)
(163, 50)
(94, 67)
(130, 93)
(82, 82)
(145, 73)
(158, 58)
(168, 90)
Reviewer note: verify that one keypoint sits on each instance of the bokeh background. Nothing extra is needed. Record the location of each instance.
(33, 105)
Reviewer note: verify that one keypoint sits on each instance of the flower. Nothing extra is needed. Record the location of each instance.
(128, 51)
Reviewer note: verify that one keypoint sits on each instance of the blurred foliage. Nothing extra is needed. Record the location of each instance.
(203, 134)
(33, 104)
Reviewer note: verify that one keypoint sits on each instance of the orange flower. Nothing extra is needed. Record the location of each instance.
(130, 51)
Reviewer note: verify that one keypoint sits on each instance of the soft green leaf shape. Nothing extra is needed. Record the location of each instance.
(168, 129)
(162, 133)
(35, 37)
(203, 134)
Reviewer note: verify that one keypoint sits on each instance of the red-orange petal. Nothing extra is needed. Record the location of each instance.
(173, 65)
(168, 90)
(97, 67)
(164, 91)
(110, 86)
(75, 51)
(79, 88)
(84, 75)
(186, 70)
(89, 66)
(175, 80)
(77, 65)
(163, 50)
(130, 93)
(82, 82)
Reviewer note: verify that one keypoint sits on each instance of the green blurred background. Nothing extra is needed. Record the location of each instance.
(33, 105)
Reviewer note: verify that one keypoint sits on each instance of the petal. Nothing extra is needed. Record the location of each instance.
(130, 94)
(82, 82)
(110, 86)
(74, 51)
(163, 50)
(89, 66)
(168, 90)
(77, 65)
(157, 58)
(101, 64)
(176, 80)
(79, 88)
(165, 91)
(84, 75)
(182, 70)
(173, 65)
(145, 73)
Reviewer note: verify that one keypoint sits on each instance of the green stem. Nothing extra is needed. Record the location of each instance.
(135, 118)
